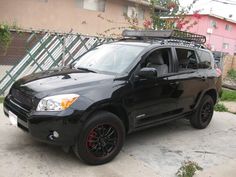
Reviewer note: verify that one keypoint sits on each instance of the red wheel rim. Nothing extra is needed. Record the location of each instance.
(102, 140)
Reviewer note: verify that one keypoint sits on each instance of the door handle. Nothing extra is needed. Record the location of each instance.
(174, 83)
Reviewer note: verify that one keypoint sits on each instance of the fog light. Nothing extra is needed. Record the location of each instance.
(55, 134)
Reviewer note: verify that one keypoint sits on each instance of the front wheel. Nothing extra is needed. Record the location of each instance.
(203, 115)
(101, 138)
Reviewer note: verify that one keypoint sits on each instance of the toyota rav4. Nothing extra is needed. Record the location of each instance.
(145, 79)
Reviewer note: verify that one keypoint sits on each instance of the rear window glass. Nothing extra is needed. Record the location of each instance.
(205, 59)
(187, 59)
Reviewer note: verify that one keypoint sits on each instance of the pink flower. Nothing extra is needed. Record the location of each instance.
(147, 24)
(196, 14)
(179, 25)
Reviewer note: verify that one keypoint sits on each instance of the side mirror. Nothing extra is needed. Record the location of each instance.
(149, 73)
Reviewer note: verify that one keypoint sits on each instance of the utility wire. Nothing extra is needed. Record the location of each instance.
(225, 2)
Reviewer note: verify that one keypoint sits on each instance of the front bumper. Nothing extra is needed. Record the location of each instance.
(42, 124)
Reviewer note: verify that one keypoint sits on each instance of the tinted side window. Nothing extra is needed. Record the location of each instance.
(205, 59)
(187, 59)
(158, 59)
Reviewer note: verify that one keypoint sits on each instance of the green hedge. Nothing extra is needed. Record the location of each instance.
(228, 95)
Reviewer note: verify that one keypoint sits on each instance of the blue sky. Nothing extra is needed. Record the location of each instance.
(215, 7)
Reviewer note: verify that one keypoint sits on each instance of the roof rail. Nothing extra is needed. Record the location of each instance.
(183, 42)
(164, 34)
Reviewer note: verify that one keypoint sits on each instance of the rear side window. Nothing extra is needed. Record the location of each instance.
(205, 59)
(187, 59)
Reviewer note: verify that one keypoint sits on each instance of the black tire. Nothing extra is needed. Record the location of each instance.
(203, 115)
(100, 139)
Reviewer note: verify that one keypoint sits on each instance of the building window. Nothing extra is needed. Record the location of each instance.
(228, 27)
(96, 5)
(225, 46)
(213, 24)
(134, 12)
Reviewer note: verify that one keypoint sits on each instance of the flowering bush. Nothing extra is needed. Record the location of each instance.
(147, 24)
(175, 18)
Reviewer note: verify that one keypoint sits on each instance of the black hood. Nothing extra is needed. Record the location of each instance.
(53, 81)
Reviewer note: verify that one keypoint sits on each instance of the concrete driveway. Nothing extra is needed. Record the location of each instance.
(157, 152)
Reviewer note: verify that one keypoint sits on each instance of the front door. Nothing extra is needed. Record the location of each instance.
(154, 100)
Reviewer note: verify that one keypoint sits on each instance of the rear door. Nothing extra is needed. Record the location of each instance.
(192, 80)
(207, 66)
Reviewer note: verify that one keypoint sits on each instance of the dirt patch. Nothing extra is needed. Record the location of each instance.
(231, 105)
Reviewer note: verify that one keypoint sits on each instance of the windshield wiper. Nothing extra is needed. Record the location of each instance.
(86, 69)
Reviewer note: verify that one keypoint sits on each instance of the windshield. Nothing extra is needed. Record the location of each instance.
(112, 58)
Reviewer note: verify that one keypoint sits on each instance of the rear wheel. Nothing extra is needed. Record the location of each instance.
(101, 138)
(203, 115)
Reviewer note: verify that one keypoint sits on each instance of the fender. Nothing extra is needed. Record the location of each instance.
(107, 105)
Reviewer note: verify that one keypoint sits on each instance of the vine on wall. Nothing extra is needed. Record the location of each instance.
(5, 36)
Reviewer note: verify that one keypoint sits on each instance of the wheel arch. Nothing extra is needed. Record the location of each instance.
(118, 110)
(211, 92)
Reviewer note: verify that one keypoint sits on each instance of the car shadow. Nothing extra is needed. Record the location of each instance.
(146, 136)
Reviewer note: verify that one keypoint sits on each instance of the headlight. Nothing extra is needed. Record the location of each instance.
(57, 102)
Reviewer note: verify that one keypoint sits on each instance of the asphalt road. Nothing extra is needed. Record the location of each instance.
(157, 152)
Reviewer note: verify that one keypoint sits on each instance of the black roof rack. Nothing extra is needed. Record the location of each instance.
(183, 42)
(165, 34)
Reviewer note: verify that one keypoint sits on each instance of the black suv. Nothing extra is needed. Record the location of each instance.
(145, 79)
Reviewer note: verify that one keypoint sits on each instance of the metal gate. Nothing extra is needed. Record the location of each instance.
(49, 50)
